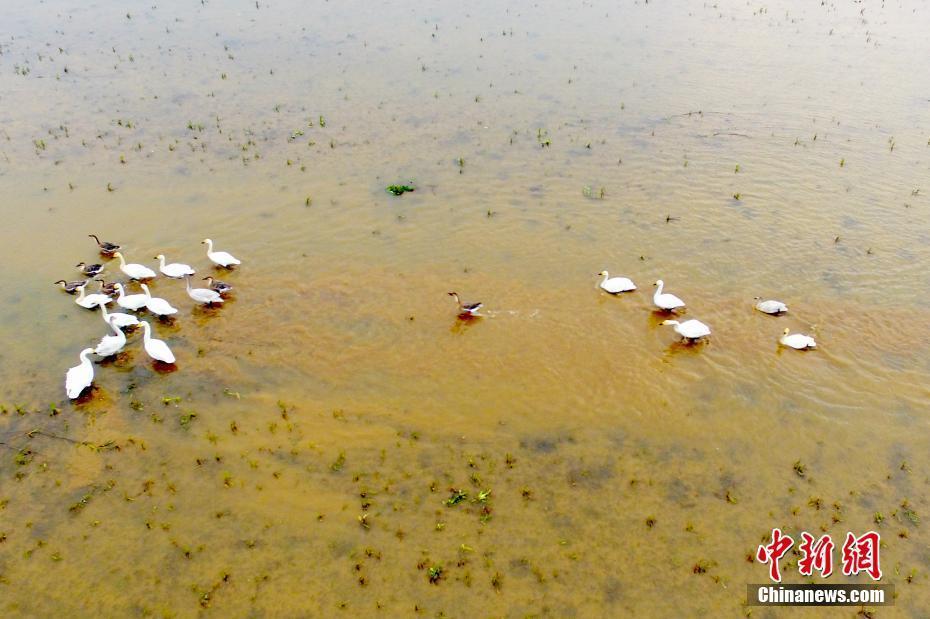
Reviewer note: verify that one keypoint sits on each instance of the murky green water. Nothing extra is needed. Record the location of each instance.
(300, 459)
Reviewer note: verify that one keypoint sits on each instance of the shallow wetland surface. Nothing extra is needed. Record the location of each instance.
(333, 441)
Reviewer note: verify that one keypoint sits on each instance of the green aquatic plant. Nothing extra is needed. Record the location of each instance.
(542, 136)
(399, 190)
(456, 497)
(80, 504)
(909, 513)
(338, 463)
(23, 457)
(594, 194)
(701, 567)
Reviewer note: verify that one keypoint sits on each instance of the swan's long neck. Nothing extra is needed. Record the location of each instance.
(120, 294)
(188, 278)
(145, 289)
(85, 356)
(658, 293)
(209, 246)
(103, 308)
(122, 261)
(81, 296)
(116, 330)
(146, 334)
(161, 261)
(606, 277)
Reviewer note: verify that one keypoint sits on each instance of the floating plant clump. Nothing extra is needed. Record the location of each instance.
(399, 190)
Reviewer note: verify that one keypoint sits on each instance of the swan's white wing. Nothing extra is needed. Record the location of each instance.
(771, 307)
(110, 345)
(160, 306)
(204, 295)
(124, 320)
(223, 258)
(77, 379)
(157, 349)
(138, 271)
(668, 301)
(176, 269)
(694, 329)
(97, 299)
(618, 284)
(798, 341)
(133, 301)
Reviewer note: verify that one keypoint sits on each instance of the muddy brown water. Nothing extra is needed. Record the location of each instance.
(299, 460)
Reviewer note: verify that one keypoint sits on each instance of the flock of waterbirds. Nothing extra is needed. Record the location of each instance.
(691, 330)
(81, 376)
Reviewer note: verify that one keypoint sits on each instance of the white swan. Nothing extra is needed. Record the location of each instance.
(616, 285)
(175, 270)
(131, 302)
(220, 258)
(92, 300)
(798, 341)
(667, 302)
(156, 305)
(111, 344)
(134, 271)
(119, 319)
(690, 329)
(155, 348)
(80, 376)
(770, 307)
(203, 295)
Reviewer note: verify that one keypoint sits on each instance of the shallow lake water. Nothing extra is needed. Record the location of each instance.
(302, 457)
